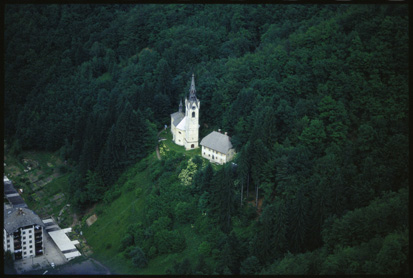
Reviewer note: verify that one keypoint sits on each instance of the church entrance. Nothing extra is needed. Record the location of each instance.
(192, 146)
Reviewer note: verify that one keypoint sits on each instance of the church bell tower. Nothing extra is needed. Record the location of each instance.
(192, 105)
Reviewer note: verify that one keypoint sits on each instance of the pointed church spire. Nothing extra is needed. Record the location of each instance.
(192, 90)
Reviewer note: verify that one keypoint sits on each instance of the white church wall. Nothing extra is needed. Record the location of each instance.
(180, 137)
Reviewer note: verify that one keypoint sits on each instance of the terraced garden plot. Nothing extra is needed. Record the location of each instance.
(57, 197)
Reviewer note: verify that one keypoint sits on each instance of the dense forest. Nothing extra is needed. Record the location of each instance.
(314, 97)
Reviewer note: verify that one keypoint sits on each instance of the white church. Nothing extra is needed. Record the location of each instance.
(216, 147)
(185, 127)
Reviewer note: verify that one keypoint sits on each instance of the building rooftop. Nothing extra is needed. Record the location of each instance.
(181, 125)
(217, 141)
(15, 218)
(64, 243)
(177, 117)
(12, 195)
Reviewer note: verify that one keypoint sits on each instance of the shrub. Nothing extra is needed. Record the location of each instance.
(111, 195)
(129, 185)
(63, 169)
(138, 257)
(204, 248)
(152, 252)
(184, 212)
(138, 192)
(126, 241)
(99, 210)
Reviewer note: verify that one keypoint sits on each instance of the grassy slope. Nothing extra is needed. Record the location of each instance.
(115, 218)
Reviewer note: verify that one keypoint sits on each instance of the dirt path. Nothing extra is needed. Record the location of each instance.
(75, 220)
(158, 154)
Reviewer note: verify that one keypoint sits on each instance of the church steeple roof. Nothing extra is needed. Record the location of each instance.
(180, 106)
(192, 90)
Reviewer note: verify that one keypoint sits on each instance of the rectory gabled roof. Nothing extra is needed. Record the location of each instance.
(217, 141)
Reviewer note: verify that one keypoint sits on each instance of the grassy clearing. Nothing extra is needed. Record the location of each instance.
(105, 235)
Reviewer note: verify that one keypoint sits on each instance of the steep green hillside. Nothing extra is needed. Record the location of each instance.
(314, 98)
(150, 205)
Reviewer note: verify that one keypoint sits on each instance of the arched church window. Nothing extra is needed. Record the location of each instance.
(193, 114)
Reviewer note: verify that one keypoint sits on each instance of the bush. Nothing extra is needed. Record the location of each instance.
(138, 192)
(138, 257)
(142, 165)
(250, 265)
(184, 212)
(63, 169)
(99, 210)
(152, 252)
(126, 241)
(129, 185)
(155, 173)
(180, 268)
(204, 248)
(16, 148)
(111, 195)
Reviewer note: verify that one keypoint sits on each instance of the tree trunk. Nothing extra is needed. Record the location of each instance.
(242, 191)
(256, 197)
(248, 183)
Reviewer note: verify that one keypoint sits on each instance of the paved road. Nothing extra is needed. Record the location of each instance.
(88, 267)
(51, 254)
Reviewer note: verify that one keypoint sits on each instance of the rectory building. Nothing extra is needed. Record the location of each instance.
(217, 147)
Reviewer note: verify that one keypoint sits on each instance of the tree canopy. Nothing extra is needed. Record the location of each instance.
(314, 97)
